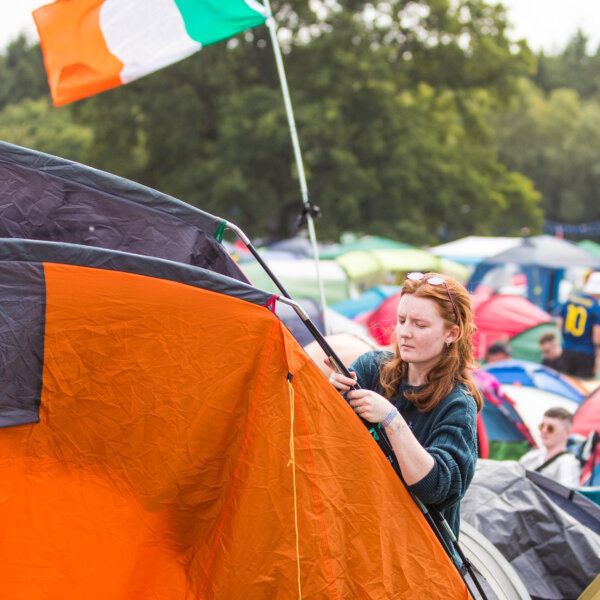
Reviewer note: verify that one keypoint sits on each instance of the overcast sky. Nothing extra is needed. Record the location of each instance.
(546, 24)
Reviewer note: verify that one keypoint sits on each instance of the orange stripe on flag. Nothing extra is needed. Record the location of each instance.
(77, 59)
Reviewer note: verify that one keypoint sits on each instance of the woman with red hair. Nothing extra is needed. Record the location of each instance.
(422, 393)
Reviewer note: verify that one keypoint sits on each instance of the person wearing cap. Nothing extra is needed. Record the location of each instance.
(580, 326)
(553, 459)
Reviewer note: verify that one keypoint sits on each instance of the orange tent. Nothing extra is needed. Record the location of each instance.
(166, 437)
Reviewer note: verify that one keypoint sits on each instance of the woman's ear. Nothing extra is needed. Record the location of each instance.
(452, 334)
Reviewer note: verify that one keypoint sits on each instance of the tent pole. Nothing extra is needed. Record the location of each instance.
(307, 208)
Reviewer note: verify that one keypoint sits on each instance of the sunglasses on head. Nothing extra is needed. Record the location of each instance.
(549, 427)
(416, 276)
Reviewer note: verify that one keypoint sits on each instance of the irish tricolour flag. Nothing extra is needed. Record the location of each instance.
(94, 45)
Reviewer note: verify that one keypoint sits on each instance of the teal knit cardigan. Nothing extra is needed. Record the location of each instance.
(448, 433)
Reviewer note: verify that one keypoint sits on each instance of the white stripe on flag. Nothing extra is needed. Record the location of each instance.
(145, 35)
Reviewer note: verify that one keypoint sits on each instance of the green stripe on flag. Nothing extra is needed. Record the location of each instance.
(210, 21)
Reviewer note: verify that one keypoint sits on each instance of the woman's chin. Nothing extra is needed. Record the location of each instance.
(405, 355)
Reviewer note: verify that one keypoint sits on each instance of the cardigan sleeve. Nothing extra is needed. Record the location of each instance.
(366, 368)
(452, 441)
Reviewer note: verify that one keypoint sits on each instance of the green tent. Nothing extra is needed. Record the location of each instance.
(525, 345)
(590, 246)
(299, 277)
(366, 243)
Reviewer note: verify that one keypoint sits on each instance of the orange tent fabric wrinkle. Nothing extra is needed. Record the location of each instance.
(161, 464)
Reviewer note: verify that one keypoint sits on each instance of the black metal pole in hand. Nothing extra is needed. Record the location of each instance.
(287, 299)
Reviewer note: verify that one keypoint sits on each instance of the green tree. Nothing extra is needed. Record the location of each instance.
(22, 73)
(553, 140)
(37, 124)
(575, 67)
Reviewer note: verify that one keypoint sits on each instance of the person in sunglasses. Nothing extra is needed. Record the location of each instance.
(422, 394)
(553, 460)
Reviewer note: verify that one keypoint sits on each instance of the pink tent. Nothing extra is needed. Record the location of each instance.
(587, 417)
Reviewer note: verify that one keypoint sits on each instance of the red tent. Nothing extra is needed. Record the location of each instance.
(382, 321)
(501, 317)
(587, 417)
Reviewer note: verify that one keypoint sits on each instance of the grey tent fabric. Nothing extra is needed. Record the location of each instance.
(39, 252)
(555, 555)
(43, 197)
(22, 323)
(577, 505)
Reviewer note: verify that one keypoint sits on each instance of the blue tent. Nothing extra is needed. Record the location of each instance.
(507, 434)
(368, 300)
(530, 374)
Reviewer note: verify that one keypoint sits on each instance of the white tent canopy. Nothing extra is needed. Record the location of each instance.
(473, 249)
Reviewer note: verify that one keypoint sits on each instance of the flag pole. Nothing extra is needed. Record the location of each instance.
(307, 208)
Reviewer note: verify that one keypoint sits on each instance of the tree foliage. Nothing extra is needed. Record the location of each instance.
(553, 139)
(392, 102)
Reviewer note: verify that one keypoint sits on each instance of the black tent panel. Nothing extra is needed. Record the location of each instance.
(44, 197)
(22, 304)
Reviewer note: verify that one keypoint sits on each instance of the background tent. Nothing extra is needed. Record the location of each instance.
(590, 246)
(299, 277)
(507, 434)
(586, 422)
(473, 249)
(390, 265)
(554, 553)
(367, 301)
(505, 317)
(531, 404)
(381, 323)
(364, 243)
(337, 324)
(587, 417)
(542, 259)
(148, 410)
(522, 372)
(503, 582)
(346, 346)
(44, 197)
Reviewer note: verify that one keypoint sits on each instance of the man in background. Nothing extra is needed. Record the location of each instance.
(497, 351)
(553, 459)
(551, 351)
(580, 327)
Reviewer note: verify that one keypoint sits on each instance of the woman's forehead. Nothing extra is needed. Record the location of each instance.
(417, 306)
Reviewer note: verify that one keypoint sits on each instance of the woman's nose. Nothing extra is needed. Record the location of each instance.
(403, 330)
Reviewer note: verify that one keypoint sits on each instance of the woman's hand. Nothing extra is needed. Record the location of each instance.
(369, 405)
(341, 383)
